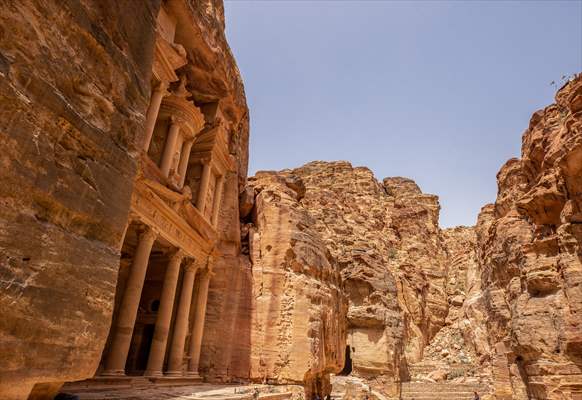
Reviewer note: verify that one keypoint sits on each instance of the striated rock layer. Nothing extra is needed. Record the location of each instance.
(385, 239)
(530, 254)
(74, 88)
(299, 308)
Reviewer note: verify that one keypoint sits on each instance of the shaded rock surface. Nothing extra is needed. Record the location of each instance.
(74, 88)
(530, 252)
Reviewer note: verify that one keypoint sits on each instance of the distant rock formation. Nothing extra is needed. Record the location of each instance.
(497, 306)
(385, 239)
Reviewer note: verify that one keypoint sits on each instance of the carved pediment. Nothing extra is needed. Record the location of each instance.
(211, 145)
(168, 57)
(178, 206)
(184, 111)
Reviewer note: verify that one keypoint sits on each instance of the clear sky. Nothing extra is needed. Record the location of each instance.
(438, 91)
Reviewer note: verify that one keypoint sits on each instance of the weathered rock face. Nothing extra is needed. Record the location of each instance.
(385, 239)
(460, 349)
(299, 309)
(74, 87)
(74, 90)
(530, 253)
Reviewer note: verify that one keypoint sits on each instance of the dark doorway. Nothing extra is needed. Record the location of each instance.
(348, 365)
(140, 349)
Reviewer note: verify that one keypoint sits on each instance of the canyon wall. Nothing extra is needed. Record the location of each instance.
(384, 239)
(74, 88)
(530, 255)
(299, 308)
(74, 93)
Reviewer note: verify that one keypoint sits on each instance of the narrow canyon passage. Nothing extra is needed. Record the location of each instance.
(139, 261)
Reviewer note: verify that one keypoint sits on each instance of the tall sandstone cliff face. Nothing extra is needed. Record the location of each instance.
(299, 309)
(384, 237)
(530, 254)
(74, 90)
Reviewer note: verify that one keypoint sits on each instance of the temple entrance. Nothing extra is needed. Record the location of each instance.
(348, 364)
(138, 358)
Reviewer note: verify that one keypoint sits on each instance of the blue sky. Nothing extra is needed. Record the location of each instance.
(438, 91)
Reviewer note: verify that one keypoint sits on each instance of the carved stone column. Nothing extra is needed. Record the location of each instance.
(177, 154)
(181, 324)
(152, 113)
(198, 327)
(126, 316)
(217, 199)
(184, 158)
(170, 147)
(122, 240)
(160, 339)
(203, 188)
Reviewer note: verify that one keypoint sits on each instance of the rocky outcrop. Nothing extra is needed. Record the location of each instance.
(385, 239)
(530, 253)
(299, 309)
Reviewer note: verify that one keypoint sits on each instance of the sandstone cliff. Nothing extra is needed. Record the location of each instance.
(530, 253)
(299, 308)
(384, 237)
(74, 90)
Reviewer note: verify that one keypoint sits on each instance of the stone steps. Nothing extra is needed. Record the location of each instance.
(422, 369)
(197, 392)
(444, 391)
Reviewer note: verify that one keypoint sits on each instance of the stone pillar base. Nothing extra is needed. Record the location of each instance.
(174, 374)
(153, 374)
(113, 372)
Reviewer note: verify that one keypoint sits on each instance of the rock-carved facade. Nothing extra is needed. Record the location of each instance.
(170, 243)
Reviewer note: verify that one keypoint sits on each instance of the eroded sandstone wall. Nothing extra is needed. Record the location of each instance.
(299, 308)
(74, 88)
(385, 239)
(530, 253)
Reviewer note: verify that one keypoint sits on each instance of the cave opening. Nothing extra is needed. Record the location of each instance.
(348, 363)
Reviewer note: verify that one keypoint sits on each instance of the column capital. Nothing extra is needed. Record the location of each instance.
(192, 266)
(206, 270)
(162, 87)
(176, 120)
(209, 272)
(177, 255)
(149, 233)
